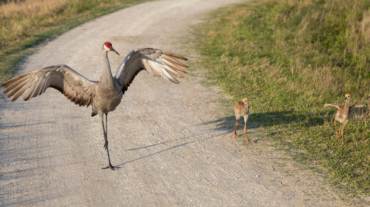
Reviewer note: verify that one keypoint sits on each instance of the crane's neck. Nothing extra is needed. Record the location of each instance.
(346, 106)
(106, 78)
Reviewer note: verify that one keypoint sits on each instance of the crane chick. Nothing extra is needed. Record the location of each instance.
(241, 108)
(343, 114)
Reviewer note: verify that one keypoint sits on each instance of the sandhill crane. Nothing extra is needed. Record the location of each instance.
(104, 95)
(241, 108)
(343, 114)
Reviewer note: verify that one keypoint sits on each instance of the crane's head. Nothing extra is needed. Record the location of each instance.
(107, 46)
(245, 100)
(347, 96)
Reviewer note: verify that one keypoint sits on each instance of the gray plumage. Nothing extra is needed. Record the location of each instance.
(104, 95)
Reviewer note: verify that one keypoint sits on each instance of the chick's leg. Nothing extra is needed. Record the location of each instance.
(342, 132)
(236, 126)
(245, 129)
(336, 132)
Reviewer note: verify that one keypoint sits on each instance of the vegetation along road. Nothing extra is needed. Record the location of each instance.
(170, 141)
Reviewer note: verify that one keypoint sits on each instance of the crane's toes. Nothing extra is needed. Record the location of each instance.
(248, 141)
(234, 134)
(111, 167)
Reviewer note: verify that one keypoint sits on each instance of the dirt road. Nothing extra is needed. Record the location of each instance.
(164, 136)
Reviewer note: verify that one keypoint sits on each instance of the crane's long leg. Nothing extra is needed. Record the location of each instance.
(342, 132)
(106, 142)
(336, 132)
(236, 126)
(245, 130)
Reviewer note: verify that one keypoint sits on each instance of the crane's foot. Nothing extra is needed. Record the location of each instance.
(248, 140)
(234, 134)
(111, 167)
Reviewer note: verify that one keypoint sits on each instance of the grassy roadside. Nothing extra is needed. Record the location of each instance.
(30, 22)
(290, 58)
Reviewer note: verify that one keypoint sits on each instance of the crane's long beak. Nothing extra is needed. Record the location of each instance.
(114, 50)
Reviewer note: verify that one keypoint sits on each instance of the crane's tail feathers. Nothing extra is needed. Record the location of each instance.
(174, 55)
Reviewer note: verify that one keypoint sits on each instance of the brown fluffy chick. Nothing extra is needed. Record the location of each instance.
(343, 113)
(241, 109)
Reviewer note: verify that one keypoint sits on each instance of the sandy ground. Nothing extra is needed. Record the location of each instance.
(165, 137)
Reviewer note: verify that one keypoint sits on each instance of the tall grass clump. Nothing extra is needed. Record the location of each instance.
(26, 23)
(289, 58)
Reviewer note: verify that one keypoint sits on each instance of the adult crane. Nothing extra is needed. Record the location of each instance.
(104, 95)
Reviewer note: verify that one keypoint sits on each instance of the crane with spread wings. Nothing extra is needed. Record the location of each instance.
(104, 95)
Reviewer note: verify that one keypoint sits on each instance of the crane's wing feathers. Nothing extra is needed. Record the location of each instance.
(157, 62)
(357, 106)
(73, 85)
(332, 105)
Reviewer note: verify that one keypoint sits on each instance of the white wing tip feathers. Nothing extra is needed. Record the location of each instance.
(166, 65)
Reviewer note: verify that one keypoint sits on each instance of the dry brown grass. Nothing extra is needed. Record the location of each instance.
(19, 20)
(31, 8)
(25, 23)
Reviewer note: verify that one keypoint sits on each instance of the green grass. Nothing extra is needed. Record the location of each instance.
(290, 58)
(21, 31)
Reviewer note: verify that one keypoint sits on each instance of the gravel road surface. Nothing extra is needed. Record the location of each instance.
(165, 137)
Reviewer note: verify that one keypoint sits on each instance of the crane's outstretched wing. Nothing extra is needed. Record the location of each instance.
(74, 86)
(157, 62)
(357, 106)
(332, 105)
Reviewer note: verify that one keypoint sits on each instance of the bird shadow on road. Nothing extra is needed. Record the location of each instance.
(193, 137)
(169, 141)
(10, 126)
(267, 119)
